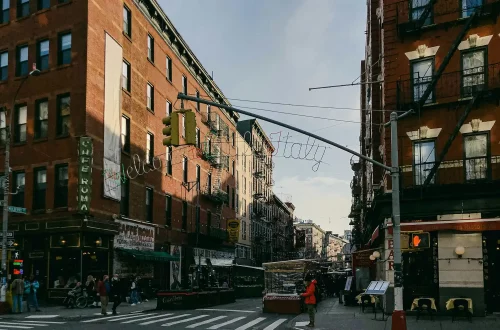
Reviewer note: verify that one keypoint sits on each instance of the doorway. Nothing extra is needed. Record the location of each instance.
(491, 270)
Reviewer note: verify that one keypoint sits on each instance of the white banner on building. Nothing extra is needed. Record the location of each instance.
(176, 268)
(113, 60)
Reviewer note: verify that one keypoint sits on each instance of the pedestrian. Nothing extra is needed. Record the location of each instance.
(17, 294)
(133, 292)
(90, 287)
(31, 288)
(310, 298)
(116, 292)
(103, 290)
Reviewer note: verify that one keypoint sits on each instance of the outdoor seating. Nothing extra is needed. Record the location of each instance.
(461, 307)
(366, 300)
(425, 305)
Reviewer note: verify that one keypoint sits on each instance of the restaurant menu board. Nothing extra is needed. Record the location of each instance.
(348, 284)
(377, 288)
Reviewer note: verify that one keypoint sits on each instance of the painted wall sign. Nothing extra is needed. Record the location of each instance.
(85, 152)
(233, 230)
(135, 236)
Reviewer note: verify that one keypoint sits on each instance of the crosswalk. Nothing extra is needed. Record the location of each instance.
(29, 324)
(193, 321)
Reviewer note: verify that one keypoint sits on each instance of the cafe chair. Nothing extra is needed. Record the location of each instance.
(366, 301)
(461, 306)
(425, 304)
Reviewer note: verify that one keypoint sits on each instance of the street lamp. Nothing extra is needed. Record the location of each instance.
(6, 193)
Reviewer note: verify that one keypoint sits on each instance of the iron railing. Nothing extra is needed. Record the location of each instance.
(451, 87)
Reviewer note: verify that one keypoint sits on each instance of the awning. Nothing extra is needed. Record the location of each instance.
(216, 262)
(146, 255)
(467, 225)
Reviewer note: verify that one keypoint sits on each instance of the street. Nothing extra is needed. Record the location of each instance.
(244, 314)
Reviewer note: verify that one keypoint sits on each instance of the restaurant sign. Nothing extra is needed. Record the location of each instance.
(135, 236)
(233, 230)
(85, 152)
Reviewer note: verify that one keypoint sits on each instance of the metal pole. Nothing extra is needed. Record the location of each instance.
(398, 317)
(182, 96)
(198, 225)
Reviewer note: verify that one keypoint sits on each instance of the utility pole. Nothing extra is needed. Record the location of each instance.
(6, 185)
(398, 317)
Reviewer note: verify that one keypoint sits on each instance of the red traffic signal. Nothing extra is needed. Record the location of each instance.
(420, 240)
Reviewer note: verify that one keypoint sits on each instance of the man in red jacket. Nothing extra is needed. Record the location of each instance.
(310, 300)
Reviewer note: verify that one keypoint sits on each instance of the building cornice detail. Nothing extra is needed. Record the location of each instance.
(422, 51)
(473, 41)
(423, 133)
(476, 125)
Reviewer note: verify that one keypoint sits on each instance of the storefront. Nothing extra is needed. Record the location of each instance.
(60, 253)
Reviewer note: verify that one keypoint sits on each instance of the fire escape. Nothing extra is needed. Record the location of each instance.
(433, 14)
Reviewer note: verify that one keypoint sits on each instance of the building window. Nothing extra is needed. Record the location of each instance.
(168, 68)
(124, 201)
(149, 204)
(198, 138)
(23, 8)
(184, 215)
(423, 160)
(43, 4)
(422, 73)
(3, 128)
(228, 195)
(473, 74)
(198, 103)
(39, 188)
(184, 84)
(417, 8)
(127, 21)
(233, 139)
(244, 230)
(42, 55)
(209, 221)
(233, 198)
(125, 134)
(61, 186)
(150, 148)
(4, 65)
(169, 160)
(126, 76)
(209, 183)
(41, 119)
(168, 210)
(151, 48)
(183, 126)
(168, 111)
(198, 174)
(150, 91)
(63, 114)
(64, 56)
(244, 207)
(234, 169)
(22, 61)
(18, 186)
(20, 123)
(197, 217)
(469, 6)
(184, 169)
(476, 156)
(209, 111)
(4, 13)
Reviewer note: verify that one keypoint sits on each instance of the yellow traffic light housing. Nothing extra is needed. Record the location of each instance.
(171, 130)
(190, 126)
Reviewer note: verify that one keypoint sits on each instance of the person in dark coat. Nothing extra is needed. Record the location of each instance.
(116, 292)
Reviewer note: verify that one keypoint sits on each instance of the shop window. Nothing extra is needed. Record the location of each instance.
(95, 241)
(65, 240)
(95, 263)
(65, 267)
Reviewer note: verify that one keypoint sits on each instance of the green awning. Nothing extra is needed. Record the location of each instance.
(149, 255)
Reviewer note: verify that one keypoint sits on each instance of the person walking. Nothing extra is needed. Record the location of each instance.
(310, 298)
(103, 289)
(30, 289)
(17, 294)
(134, 299)
(90, 287)
(116, 292)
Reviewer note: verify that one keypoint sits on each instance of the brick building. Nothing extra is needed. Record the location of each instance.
(440, 59)
(282, 229)
(110, 71)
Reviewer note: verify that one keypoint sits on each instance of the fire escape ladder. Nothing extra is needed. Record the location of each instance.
(447, 146)
(447, 59)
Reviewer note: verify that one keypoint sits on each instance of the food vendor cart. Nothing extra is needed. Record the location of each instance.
(284, 281)
(248, 281)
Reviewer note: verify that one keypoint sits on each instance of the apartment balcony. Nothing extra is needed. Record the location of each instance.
(259, 174)
(415, 16)
(215, 124)
(212, 154)
(452, 87)
(216, 195)
(259, 153)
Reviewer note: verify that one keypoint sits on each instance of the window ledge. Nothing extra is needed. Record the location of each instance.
(39, 211)
(64, 4)
(17, 78)
(150, 61)
(126, 92)
(60, 209)
(4, 81)
(58, 137)
(19, 19)
(152, 111)
(64, 66)
(19, 144)
(4, 24)
(129, 38)
(127, 153)
(41, 11)
(38, 140)
(169, 80)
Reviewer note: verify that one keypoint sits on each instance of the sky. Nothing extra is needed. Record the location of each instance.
(274, 51)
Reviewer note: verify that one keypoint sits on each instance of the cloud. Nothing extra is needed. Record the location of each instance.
(323, 199)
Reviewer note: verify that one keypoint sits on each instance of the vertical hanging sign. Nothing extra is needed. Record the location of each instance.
(233, 229)
(85, 151)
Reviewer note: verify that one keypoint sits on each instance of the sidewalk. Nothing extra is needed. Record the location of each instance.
(63, 313)
(332, 316)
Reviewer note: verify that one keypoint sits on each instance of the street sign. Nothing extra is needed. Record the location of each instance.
(420, 240)
(15, 209)
(377, 288)
(10, 234)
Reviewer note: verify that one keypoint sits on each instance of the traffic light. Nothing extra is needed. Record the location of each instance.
(420, 240)
(171, 130)
(190, 126)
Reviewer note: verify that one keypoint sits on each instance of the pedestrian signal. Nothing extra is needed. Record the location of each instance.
(420, 240)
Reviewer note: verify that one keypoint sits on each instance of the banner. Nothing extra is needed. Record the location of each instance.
(233, 230)
(175, 268)
(85, 152)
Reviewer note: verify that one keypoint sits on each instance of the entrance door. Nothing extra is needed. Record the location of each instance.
(491, 270)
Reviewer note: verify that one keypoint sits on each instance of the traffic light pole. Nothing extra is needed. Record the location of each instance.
(398, 317)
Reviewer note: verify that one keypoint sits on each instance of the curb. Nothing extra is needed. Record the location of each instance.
(289, 324)
(72, 317)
